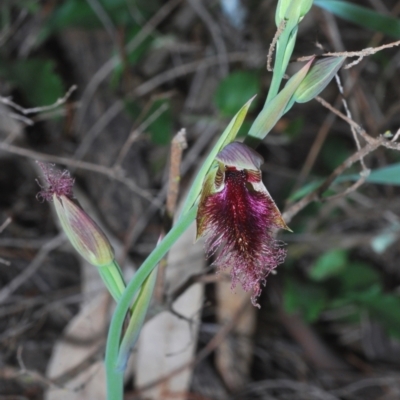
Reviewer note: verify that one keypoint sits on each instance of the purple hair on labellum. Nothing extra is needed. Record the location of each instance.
(58, 183)
(238, 216)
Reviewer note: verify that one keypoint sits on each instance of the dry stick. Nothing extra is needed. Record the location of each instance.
(271, 50)
(34, 155)
(26, 111)
(178, 144)
(108, 67)
(137, 132)
(191, 157)
(206, 351)
(348, 113)
(316, 194)
(315, 149)
(36, 376)
(360, 54)
(154, 83)
(352, 123)
(5, 224)
(104, 19)
(31, 268)
(216, 35)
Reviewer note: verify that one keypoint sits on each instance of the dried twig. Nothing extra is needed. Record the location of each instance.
(26, 111)
(137, 132)
(207, 350)
(317, 193)
(271, 50)
(360, 54)
(216, 35)
(111, 173)
(177, 146)
(115, 61)
(36, 263)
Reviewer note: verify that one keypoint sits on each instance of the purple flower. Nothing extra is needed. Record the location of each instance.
(238, 216)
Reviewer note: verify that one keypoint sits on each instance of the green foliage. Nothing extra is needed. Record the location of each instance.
(320, 74)
(79, 13)
(161, 128)
(358, 276)
(389, 175)
(306, 298)
(35, 78)
(235, 90)
(328, 265)
(294, 128)
(362, 16)
(337, 281)
(334, 151)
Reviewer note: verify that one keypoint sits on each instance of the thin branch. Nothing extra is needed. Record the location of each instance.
(178, 144)
(216, 35)
(106, 69)
(5, 224)
(111, 173)
(137, 132)
(36, 263)
(26, 111)
(272, 46)
(208, 349)
(352, 123)
(360, 54)
(317, 193)
(348, 113)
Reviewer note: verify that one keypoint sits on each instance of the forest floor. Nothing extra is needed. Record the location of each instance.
(329, 323)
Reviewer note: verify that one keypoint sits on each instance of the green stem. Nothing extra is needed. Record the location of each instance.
(115, 377)
(113, 279)
(279, 69)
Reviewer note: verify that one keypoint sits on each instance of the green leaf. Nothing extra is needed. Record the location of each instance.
(320, 74)
(161, 128)
(383, 307)
(329, 264)
(389, 175)
(362, 16)
(308, 299)
(358, 276)
(235, 90)
(138, 315)
(276, 107)
(36, 79)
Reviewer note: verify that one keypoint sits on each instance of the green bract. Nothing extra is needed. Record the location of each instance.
(83, 233)
(320, 74)
(292, 9)
(276, 107)
(90, 242)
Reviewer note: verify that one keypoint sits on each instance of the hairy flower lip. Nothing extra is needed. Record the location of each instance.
(238, 216)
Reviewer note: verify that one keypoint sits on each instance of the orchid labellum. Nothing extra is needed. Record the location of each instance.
(238, 216)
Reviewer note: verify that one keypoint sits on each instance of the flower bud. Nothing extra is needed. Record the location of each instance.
(83, 233)
(292, 9)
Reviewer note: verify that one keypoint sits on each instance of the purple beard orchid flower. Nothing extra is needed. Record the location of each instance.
(238, 216)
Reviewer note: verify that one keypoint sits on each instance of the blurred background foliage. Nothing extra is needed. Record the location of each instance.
(342, 271)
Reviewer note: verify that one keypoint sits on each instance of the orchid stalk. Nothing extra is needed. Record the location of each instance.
(82, 231)
(232, 208)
